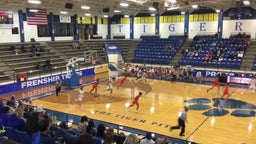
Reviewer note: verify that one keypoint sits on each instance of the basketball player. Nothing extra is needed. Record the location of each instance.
(181, 122)
(110, 86)
(58, 87)
(215, 83)
(95, 87)
(122, 81)
(225, 92)
(135, 102)
(80, 96)
(252, 85)
(140, 76)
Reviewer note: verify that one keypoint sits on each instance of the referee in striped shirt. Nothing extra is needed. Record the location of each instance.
(181, 121)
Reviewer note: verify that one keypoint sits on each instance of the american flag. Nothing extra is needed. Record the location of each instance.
(37, 16)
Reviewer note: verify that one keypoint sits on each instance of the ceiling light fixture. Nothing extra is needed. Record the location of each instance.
(152, 9)
(87, 14)
(33, 10)
(217, 10)
(34, 1)
(194, 6)
(172, 1)
(124, 4)
(105, 16)
(153, 14)
(246, 2)
(64, 12)
(182, 13)
(117, 11)
(126, 16)
(85, 7)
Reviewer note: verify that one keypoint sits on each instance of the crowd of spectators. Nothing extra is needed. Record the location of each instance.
(217, 49)
(42, 128)
(171, 73)
(33, 50)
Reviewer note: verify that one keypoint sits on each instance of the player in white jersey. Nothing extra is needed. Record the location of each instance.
(140, 76)
(110, 85)
(80, 96)
(252, 85)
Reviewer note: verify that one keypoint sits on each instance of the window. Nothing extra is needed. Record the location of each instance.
(64, 29)
(43, 31)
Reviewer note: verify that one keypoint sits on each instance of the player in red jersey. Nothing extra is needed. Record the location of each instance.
(135, 102)
(215, 83)
(225, 92)
(122, 81)
(95, 86)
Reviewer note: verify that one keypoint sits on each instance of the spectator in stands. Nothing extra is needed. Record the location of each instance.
(31, 125)
(168, 48)
(119, 139)
(4, 116)
(22, 48)
(28, 111)
(163, 140)
(100, 131)
(15, 122)
(147, 139)
(240, 55)
(131, 139)
(109, 138)
(208, 57)
(12, 102)
(33, 50)
(12, 47)
(85, 139)
(91, 129)
(75, 45)
(20, 110)
(83, 124)
(43, 136)
(1, 105)
(48, 64)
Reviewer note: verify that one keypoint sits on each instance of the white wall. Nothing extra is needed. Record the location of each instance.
(120, 29)
(6, 33)
(236, 26)
(103, 30)
(202, 27)
(143, 29)
(167, 29)
(30, 31)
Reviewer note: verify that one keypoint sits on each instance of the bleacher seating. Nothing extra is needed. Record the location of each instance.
(152, 49)
(254, 64)
(214, 52)
(118, 37)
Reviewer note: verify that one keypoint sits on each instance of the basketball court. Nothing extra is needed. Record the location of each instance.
(232, 122)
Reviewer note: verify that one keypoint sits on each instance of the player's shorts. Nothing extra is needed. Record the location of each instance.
(215, 84)
(225, 93)
(135, 102)
(122, 81)
(94, 86)
(110, 86)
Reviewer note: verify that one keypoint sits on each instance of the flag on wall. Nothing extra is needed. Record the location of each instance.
(37, 16)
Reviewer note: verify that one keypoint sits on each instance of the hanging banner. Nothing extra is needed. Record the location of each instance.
(6, 19)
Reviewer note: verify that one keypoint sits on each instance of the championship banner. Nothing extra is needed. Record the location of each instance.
(6, 19)
(65, 19)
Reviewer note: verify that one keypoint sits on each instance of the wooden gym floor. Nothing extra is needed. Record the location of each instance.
(159, 107)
